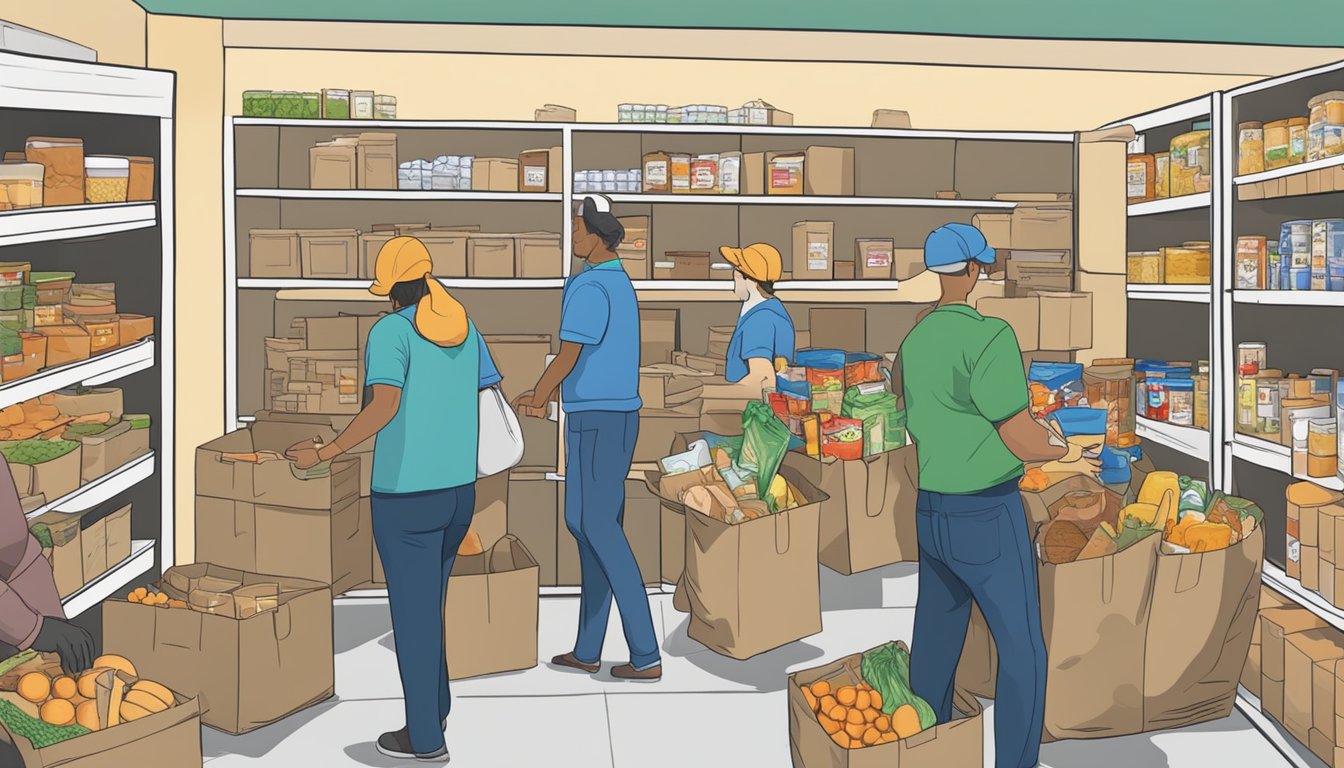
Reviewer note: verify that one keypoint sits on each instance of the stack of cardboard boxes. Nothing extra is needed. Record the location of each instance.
(84, 546)
(1301, 681)
(1314, 539)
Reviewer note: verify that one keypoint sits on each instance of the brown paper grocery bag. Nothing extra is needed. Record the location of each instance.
(947, 745)
(754, 587)
(1095, 616)
(1203, 615)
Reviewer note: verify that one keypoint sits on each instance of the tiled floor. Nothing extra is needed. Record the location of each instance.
(708, 710)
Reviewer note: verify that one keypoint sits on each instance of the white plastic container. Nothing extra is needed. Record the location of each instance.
(106, 179)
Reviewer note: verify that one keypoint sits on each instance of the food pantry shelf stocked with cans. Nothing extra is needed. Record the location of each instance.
(1298, 413)
(1307, 255)
(55, 171)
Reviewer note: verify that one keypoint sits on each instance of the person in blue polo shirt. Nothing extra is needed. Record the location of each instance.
(425, 365)
(764, 334)
(597, 372)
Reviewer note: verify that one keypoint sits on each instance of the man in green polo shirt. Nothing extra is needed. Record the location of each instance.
(966, 401)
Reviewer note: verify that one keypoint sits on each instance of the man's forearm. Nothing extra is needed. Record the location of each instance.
(560, 367)
(1029, 440)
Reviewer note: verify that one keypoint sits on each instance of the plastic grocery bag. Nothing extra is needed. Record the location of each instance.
(883, 421)
(765, 440)
(501, 439)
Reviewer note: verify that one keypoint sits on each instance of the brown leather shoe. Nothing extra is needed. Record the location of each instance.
(568, 660)
(628, 672)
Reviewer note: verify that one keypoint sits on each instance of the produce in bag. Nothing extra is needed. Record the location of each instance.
(887, 669)
(765, 440)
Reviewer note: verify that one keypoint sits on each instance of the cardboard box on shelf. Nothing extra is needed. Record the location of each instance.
(907, 263)
(534, 170)
(490, 256)
(331, 254)
(133, 328)
(1276, 626)
(554, 113)
(996, 227)
(66, 344)
(830, 171)
(634, 249)
(1042, 226)
(753, 173)
(784, 172)
(376, 161)
(331, 165)
(662, 387)
(891, 118)
(108, 451)
(838, 327)
(494, 174)
(520, 360)
(1066, 321)
(659, 335)
(540, 255)
(813, 250)
(58, 477)
(273, 253)
(957, 742)
(253, 671)
(447, 250)
(844, 270)
(1022, 314)
(873, 258)
(118, 525)
(490, 614)
(370, 243)
(682, 265)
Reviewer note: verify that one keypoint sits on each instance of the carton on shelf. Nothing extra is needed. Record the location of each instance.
(329, 253)
(891, 118)
(66, 344)
(659, 335)
(634, 249)
(873, 258)
(494, 174)
(273, 253)
(253, 671)
(331, 165)
(490, 614)
(907, 263)
(370, 243)
(58, 477)
(838, 327)
(784, 172)
(490, 256)
(996, 227)
(753, 173)
(830, 171)
(1305, 654)
(534, 170)
(554, 113)
(540, 255)
(844, 270)
(376, 161)
(447, 250)
(1042, 226)
(1250, 675)
(67, 552)
(108, 451)
(1276, 626)
(813, 250)
(1022, 314)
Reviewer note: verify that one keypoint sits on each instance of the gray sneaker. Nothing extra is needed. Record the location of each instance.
(397, 744)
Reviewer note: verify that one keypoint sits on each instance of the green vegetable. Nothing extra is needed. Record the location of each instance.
(33, 452)
(85, 430)
(41, 734)
(1131, 533)
(17, 659)
(42, 532)
(887, 668)
(138, 420)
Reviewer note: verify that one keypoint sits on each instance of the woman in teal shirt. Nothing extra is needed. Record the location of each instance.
(764, 334)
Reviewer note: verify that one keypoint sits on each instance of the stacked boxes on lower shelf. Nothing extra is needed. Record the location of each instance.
(1302, 678)
(80, 551)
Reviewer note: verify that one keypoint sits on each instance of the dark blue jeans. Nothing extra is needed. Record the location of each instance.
(417, 536)
(599, 446)
(976, 546)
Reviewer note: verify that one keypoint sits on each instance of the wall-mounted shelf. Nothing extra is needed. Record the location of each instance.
(102, 490)
(1291, 298)
(104, 368)
(1192, 442)
(41, 225)
(1291, 170)
(403, 195)
(808, 200)
(1187, 294)
(1277, 457)
(1171, 205)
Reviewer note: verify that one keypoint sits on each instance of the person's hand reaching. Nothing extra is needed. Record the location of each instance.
(73, 644)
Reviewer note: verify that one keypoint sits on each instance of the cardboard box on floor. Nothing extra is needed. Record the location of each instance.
(1308, 670)
(490, 614)
(247, 672)
(1250, 674)
(167, 739)
(1276, 626)
(868, 517)
(956, 743)
(732, 572)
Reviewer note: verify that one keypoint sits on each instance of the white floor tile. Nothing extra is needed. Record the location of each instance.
(481, 732)
(729, 730)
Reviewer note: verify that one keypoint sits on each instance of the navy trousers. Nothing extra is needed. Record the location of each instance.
(417, 536)
(976, 546)
(599, 446)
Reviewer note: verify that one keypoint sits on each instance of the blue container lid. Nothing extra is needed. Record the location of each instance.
(1080, 421)
(861, 357)
(823, 359)
(1055, 375)
(1180, 385)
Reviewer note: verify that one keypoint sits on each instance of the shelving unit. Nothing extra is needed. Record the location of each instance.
(1195, 443)
(1171, 204)
(1185, 294)
(115, 110)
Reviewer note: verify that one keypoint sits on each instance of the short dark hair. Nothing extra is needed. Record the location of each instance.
(605, 225)
(409, 292)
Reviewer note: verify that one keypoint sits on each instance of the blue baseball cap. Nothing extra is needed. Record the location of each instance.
(950, 246)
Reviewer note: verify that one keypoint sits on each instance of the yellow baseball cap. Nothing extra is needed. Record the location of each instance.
(759, 261)
(438, 317)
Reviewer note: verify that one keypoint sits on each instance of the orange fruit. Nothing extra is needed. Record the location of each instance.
(870, 715)
(811, 700)
(35, 687)
(871, 736)
(821, 688)
(855, 717)
(828, 725)
(882, 723)
(838, 713)
(64, 687)
(847, 695)
(862, 700)
(905, 721)
(840, 738)
(855, 731)
(87, 684)
(827, 703)
(58, 712)
(876, 698)
(86, 714)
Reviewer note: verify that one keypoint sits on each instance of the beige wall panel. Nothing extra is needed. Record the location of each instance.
(1110, 307)
(1102, 207)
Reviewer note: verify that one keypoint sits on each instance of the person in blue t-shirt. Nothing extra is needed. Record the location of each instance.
(597, 372)
(764, 335)
(425, 364)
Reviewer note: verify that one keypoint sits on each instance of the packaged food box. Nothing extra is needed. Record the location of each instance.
(273, 253)
(108, 451)
(873, 258)
(447, 250)
(31, 359)
(134, 328)
(785, 173)
(66, 344)
(813, 250)
(329, 253)
(534, 171)
(376, 160)
(106, 179)
(830, 171)
(540, 255)
(140, 187)
(52, 287)
(331, 165)
(490, 256)
(494, 174)
(62, 160)
(104, 333)
(55, 464)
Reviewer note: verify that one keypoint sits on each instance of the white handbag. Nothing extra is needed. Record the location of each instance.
(501, 439)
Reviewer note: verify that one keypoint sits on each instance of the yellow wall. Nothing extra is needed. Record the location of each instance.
(114, 28)
(194, 49)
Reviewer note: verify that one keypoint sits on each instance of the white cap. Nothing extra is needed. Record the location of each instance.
(598, 203)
